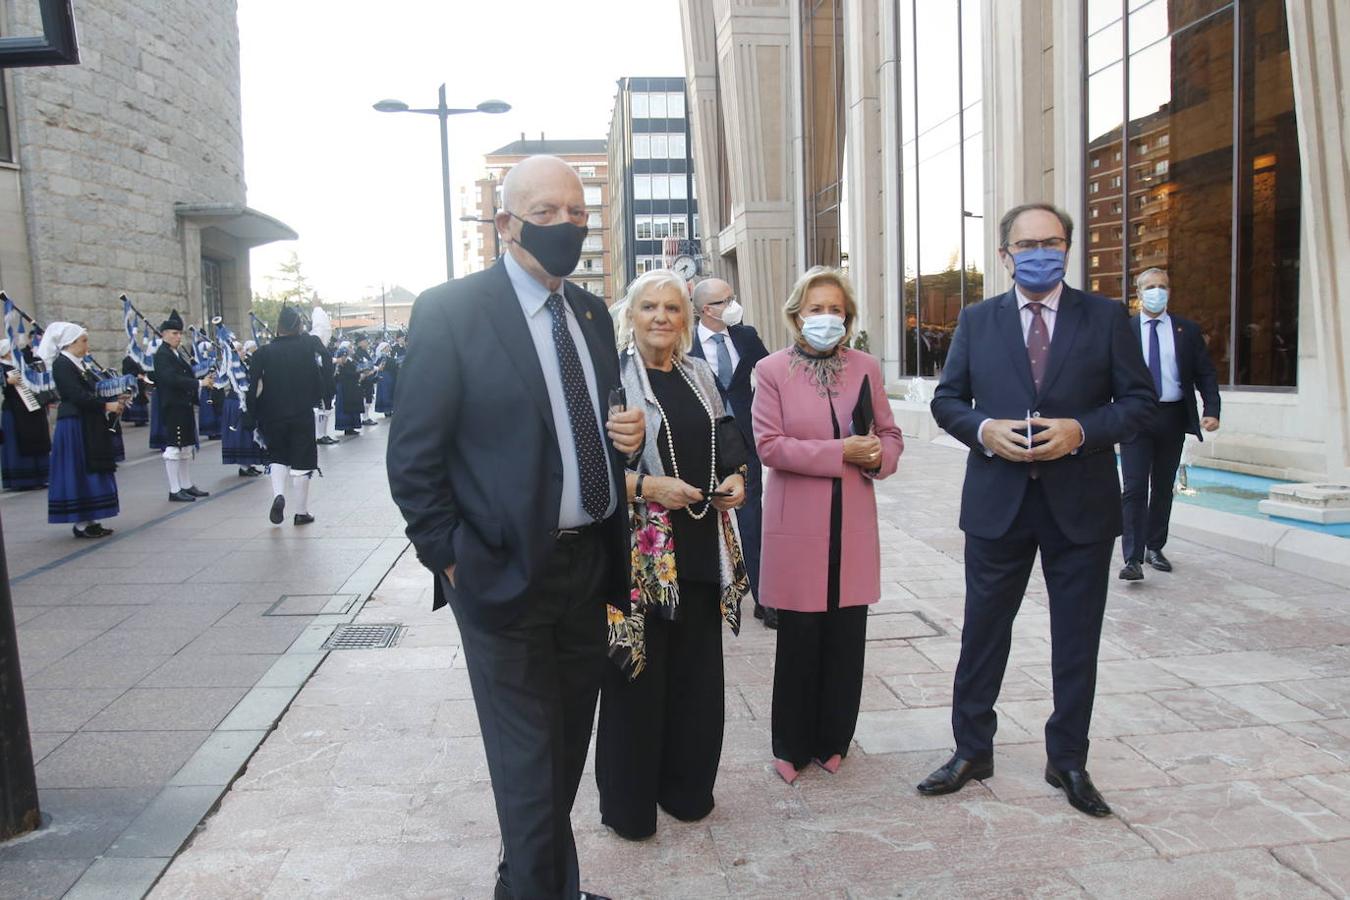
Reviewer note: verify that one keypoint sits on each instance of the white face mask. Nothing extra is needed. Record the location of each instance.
(823, 332)
(732, 313)
(1154, 299)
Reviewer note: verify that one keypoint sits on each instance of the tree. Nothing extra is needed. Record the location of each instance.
(288, 287)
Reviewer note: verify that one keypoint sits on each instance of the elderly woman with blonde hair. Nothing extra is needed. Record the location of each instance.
(825, 432)
(661, 701)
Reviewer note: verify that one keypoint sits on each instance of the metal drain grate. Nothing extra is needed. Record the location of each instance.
(362, 637)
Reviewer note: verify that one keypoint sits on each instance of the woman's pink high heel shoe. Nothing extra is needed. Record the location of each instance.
(832, 764)
(786, 770)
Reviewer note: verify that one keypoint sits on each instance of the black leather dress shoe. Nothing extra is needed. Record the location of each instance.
(303, 519)
(196, 491)
(1078, 787)
(954, 774)
(770, 618)
(181, 496)
(277, 513)
(1156, 559)
(1132, 571)
(587, 895)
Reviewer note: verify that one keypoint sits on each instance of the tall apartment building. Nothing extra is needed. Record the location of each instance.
(655, 205)
(591, 161)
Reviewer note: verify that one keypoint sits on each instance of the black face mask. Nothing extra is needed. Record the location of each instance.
(557, 247)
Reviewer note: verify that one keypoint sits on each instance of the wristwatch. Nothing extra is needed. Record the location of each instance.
(637, 489)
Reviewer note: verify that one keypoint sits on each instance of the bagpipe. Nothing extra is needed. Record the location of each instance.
(261, 333)
(35, 388)
(110, 386)
(143, 338)
(230, 368)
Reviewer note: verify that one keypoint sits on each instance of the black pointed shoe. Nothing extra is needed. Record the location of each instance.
(1078, 787)
(954, 774)
(1132, 571)
(181, 496)
(1156, 559)
(196, 491)
(277, 514)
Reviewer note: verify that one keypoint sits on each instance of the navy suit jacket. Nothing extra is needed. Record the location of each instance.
(740, 394)
(1195, 368)
(473, 457)
(1096, 374)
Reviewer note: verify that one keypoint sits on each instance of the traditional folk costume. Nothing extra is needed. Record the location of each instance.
(138, 410)
(210, 404)
(285, 384)
(350, 402)
(83, 487)
(176, 393)
(25, 456)
(387, 381)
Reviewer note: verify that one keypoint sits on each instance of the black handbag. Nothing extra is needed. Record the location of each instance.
(732, 453)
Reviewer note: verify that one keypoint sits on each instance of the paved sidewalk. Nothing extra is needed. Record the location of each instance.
(1221, 737)
(155, 661)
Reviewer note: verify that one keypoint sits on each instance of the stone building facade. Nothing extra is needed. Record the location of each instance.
(888, 137)
(125, 173)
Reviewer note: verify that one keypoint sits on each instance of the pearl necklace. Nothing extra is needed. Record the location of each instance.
(670, 438)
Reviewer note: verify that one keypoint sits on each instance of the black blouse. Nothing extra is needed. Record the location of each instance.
(696, 552)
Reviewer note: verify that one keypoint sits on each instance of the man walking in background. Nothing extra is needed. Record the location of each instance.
(1179, 364)
(733, 349)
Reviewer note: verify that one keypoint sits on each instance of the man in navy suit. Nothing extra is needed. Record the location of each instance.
(1179, 363)
(510, 475)
(1040, 383)
(732, 349)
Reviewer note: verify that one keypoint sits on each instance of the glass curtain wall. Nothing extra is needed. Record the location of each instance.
(1193, 166)
(822, 23)
(942, 150)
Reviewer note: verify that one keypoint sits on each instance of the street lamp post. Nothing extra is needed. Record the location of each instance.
(443, 112)
(496, 237)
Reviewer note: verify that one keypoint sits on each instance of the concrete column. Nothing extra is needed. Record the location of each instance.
(1319, 50)
(864, 147)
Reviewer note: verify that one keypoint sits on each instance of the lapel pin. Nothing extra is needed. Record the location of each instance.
(589, 315)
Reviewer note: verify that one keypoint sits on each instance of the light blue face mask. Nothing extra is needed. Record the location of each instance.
(823, 332)
(1153, 299)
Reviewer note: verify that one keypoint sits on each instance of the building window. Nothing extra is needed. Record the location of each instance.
(640, 106)
(642, 146)
(942, 212)
(678, 149)
(642, 228)
(659, 146)
(6, 144)
(657, 106)
(592, 193)
(697, 234)
(660, 187)
(593, 220)
(592, 244)
(213, 297)
(822, 43)
(1225, 220)
(679, 228)
(586, 171)
(661, 228)
(679, 187)
(675, 105)
(642, 187)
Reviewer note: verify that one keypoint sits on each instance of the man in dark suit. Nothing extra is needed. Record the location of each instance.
(1040, 383)
(511, 480)
(732, 349)
(1179, 363)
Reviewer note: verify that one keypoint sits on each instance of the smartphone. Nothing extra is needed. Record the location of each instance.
(618, 399)
(717, 494)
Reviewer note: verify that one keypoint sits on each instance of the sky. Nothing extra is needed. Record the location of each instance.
(363, 188)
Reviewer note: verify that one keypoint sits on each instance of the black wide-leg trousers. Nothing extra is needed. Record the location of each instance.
(996, 580)
(535, 684)
(659, 740)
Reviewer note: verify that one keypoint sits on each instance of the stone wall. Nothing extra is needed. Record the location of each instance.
(150, 117)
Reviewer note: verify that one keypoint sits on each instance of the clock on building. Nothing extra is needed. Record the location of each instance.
(685, 266)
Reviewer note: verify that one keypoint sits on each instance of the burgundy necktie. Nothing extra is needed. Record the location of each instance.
(1038, 343)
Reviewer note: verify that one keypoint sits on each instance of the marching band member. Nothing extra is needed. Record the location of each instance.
(388, 379)
(237, 446)
(83, 486)
(284, 385)
(210, 403)
(177, 390)
(365, 366)
(138, 410)
(27, 445)
(349, 403)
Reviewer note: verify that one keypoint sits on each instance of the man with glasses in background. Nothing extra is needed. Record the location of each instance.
(1040, 383)
(733, 349)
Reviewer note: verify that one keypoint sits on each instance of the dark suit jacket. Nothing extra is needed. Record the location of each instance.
(1096, 374)
(739, 394)
(473, 459)
(179, 391)
(1195, 368)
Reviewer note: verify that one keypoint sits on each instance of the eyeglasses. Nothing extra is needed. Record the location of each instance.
(719, 303)
(1054, 243)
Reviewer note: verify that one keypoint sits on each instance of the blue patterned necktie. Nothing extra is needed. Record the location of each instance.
(591, 467)
(724, 368)
(1155, 356)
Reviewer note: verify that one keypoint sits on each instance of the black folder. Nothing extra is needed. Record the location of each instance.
(863, 416)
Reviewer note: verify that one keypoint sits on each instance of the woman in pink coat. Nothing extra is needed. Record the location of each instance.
(825, 431)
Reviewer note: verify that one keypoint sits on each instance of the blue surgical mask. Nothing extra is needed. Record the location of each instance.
(1153, 299)
(1038, 270)
(823, 332)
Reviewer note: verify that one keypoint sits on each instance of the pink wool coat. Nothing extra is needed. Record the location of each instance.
(796, 444)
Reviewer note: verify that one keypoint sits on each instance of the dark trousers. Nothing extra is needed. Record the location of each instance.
(817, 682)
(748, 518)
(996, 579)
(535, 684)
(660, 735)
(1149, 466)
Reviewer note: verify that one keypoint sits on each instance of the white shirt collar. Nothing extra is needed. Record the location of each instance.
(706, 334)
(1164, 320)
(73, 358)
(1051, 302)
(531, 293)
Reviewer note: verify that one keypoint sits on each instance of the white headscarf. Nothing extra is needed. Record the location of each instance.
(57, 337)
(382, 349)
(250, 346)
(6, 351)
(345, 345)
